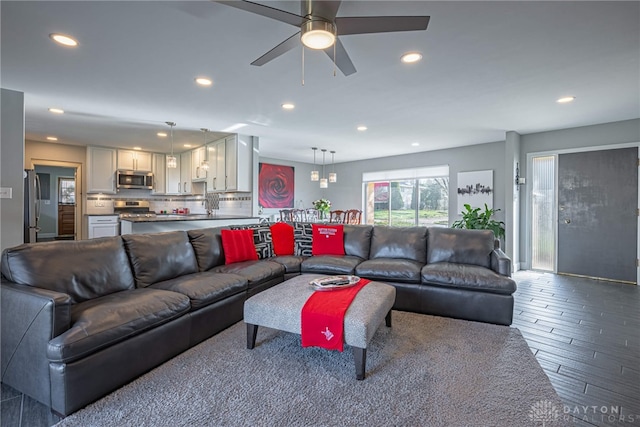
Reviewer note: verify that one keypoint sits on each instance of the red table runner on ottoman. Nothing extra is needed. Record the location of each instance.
(322, 323)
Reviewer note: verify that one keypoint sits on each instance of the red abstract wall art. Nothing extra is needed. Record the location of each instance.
(275, 186)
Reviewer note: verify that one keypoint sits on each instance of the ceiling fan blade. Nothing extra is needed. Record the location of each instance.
(342, 58)
(282, 48)
(324, 9)
(380, 24)
(269, 12)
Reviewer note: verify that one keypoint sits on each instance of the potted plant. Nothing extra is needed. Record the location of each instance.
(323, 206)
(476, 219)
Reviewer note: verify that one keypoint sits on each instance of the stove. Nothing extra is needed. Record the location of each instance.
(133, 209)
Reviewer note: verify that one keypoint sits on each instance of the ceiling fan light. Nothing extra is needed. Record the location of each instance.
(318, 34)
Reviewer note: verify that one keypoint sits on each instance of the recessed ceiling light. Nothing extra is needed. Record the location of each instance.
(56, 110)
(204, 81)
(362, 128)
(63, 40)
(137, 148)
(288, 106)
(410, 57)
(415, 144)
(565, 99)
(187, 145)
(162, 134)
(52, 138)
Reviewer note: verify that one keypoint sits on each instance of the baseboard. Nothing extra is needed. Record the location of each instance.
(47, 235)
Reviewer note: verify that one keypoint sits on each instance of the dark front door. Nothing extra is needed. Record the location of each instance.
(597, 214)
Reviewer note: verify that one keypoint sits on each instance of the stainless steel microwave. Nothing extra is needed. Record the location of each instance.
(134, 179)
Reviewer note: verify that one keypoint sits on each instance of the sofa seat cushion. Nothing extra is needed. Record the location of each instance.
(205, 288)
(291, 263)
(256, 272)
(391, 269)
(105, 321)
(465, 276)
(330, 264)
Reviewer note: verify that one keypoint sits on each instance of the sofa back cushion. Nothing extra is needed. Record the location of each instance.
(399, 242)
(238, 246)
(460, 246)
(357, 240)
(83, 269)
(160, 256)
(207, 244)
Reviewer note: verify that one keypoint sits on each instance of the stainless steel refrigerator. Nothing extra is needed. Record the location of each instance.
(31, 205)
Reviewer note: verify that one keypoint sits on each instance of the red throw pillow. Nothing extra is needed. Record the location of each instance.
(328, 240)
(282, 237)
(238, 246)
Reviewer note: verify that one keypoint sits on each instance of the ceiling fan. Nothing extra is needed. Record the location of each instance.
(320, 28)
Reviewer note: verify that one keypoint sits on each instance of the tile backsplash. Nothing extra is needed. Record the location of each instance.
(227, 203)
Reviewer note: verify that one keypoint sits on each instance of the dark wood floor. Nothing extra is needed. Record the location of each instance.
(586, 336)
(584, 333)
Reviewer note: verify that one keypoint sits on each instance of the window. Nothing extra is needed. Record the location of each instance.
(67, 191)
(407, 198)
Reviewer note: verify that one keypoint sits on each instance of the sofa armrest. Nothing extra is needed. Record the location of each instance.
(500, 262)
(30, 318)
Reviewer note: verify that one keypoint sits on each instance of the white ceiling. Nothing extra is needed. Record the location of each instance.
(488, 67)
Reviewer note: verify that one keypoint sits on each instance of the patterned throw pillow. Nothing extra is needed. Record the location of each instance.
(303, 237)
(261, 238)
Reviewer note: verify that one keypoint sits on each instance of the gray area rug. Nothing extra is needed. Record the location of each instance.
(424, 371)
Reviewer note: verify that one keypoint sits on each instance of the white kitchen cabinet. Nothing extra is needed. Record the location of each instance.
(198, 173)
(211, 149)
(134, 160)
(101, 170)
(185, 173)
(159, 169)
(103, 226)
(233, 164)
(173, 185)
(221, 177)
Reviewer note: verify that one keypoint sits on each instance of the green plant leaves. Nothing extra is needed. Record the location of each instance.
(476, 219)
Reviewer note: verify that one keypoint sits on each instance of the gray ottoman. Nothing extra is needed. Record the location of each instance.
(279, 308)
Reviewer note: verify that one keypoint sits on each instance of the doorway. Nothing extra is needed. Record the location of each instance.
(60, 207)
(584, 213)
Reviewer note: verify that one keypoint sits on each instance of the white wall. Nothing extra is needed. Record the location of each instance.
(11, 174)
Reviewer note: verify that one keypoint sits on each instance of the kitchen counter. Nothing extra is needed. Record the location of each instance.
(172, 222)
(189, 217)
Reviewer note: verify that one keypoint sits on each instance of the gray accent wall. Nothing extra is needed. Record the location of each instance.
(573, 139)
(11, 174)
(305, 191)
(347, 192)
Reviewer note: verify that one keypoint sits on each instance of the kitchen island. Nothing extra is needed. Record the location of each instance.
(173, 222)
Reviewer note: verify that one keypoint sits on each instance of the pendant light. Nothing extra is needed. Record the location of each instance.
(315, 175)
(323, 182)
(172, 162)
(204, 164)
(333, 176)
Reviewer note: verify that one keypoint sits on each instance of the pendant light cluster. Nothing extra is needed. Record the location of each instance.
(315, 174)
(172, 162)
